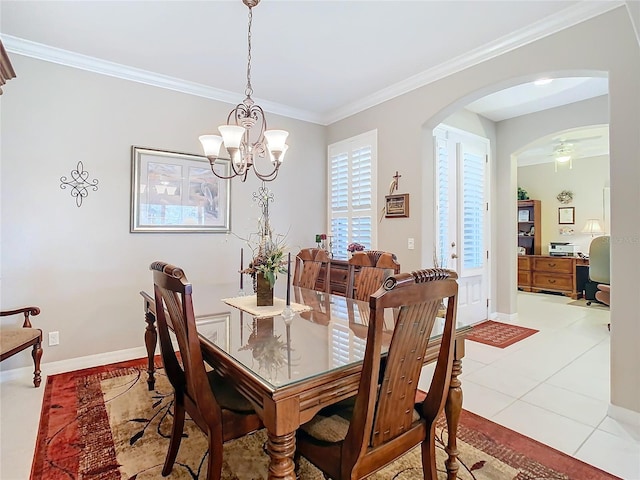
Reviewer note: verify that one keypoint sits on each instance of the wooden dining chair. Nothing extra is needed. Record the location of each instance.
(210, 400)
(367, 270)
(309, 263)
(359, 436)
(14, 339)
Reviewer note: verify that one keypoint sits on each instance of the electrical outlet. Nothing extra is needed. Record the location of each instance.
(54, 338)
(411, 244)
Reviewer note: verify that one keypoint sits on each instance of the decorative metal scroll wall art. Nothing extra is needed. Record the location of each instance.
(79, 183)
(263, 196)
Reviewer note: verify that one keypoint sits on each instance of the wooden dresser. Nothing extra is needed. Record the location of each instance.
(338, 277)
(539, 273)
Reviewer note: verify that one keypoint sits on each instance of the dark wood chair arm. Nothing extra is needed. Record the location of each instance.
(26, 311)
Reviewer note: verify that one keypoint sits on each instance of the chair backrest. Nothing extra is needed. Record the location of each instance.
(320, 304)
(188, 376)
(599, 259)
(366, 272)
(383, 410)
(309, 262)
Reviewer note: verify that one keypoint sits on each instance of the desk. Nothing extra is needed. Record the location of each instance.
(290, 372)
(539, 273)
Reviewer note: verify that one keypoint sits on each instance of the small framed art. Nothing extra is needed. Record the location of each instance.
(397, 205)
(566, 215)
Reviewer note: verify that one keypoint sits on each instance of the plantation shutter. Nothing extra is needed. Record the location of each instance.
(352, 165)
(473, 205)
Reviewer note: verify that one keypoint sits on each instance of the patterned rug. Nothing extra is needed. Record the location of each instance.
(103, 423)
(498, 334)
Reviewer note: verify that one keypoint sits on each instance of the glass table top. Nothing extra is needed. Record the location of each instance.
(331, 336)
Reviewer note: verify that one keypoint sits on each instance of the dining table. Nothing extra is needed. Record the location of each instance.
(292, 366)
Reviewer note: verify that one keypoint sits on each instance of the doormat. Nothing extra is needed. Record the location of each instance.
(499, 335)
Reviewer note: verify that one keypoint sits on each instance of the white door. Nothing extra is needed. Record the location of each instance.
(462, 217)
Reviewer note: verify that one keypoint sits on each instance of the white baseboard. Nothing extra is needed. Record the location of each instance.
(504, 317)
(624, 415)
(78, 363)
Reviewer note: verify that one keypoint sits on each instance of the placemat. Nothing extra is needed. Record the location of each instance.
(248, 304)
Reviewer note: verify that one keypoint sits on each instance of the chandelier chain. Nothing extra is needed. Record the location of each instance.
(249, 90)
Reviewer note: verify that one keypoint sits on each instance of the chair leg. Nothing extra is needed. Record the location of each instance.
(176, 435)
(214, 465)
(36, 353)
(429, 469)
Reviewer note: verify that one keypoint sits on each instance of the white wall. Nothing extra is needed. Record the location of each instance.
(586, 180)
(81, 265)
(605, 44)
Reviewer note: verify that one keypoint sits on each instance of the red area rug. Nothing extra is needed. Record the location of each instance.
(103, 424)
(498, 334)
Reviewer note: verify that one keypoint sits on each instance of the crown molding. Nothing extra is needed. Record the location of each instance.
(47, 53)
(564, 19)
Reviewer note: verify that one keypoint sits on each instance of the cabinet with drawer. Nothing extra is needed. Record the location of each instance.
(524, 273)
(539, 273)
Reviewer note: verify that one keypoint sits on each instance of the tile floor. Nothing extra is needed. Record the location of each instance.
(552, 386)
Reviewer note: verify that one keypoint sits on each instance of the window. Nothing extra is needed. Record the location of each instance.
(352, 192)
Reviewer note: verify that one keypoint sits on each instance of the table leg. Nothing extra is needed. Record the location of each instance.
(150, 341)
(452, 409)
(281, 449)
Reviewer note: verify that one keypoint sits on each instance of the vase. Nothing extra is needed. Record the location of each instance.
(264, 291)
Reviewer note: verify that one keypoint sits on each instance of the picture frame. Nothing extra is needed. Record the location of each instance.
(523, 215)
(397, 205)
(566, 215)
(215, 328)
(174, 192)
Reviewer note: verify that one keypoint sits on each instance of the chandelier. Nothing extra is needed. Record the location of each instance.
(244, 143)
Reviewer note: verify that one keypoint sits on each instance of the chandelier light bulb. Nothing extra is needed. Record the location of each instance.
(281, 156)
(211, 145)
(231, 135)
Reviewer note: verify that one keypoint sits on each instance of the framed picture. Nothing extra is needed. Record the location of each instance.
(178, 192)
(215, 328)
(523, 215)
(566, 215)
(397, 205)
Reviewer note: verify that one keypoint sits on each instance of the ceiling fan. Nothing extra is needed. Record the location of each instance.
(565, 150)
(562, 153)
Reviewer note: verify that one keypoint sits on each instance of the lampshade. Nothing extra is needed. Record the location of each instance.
(593, 227)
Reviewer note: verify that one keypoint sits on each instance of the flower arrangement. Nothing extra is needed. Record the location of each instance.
(355, 247)
(268, 259)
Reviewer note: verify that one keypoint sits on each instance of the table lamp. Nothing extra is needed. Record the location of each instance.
(593, 227)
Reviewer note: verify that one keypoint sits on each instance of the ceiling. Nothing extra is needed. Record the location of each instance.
(315, 60)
